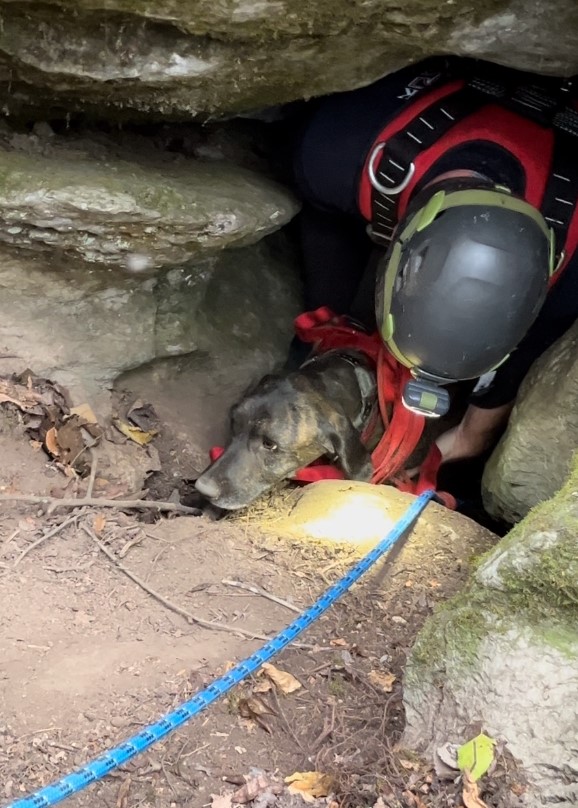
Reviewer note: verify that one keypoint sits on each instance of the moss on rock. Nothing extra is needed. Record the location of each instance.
(505, 651)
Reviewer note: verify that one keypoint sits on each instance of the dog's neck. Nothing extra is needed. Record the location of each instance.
(365, 378)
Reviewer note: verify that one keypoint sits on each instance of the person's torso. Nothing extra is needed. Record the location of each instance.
(498, 141)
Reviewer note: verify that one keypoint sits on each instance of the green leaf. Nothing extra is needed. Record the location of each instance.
(477, 755)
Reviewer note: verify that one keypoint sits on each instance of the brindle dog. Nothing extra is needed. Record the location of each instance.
(288, 420)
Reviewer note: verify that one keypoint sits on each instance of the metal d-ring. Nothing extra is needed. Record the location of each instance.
(383, 189)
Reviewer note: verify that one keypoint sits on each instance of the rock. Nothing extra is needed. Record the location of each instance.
(505, 653)
(533, 459)
(83, 328)
(361, 514)
(140, 211)
(200, 58)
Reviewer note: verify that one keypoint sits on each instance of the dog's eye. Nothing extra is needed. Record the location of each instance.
(269, 444)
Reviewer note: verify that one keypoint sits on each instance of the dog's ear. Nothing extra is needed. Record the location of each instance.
(341, 439)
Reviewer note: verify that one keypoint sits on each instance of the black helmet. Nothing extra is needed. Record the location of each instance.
(461, 284)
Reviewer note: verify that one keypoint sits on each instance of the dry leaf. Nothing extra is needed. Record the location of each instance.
(410, 765)
(413, 800)
(264, 686)
(253, 787)
(471, 792)
(384, 681)
(122, 796)
(134, 433)
(254, 708)
(309, 785)
(99, 523)
(445, 760)
(338, 643)
(380, 803)
(51, 442)
(85, 413)
(285, 682)
(221, 801)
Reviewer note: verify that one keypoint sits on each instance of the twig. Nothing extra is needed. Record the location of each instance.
(7, 541)
(288, 726)
(256, 590)
(43, 538)
(92, 478)
(121, 504)
(191, 618)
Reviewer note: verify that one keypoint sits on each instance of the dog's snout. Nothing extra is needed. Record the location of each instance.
(208, 487)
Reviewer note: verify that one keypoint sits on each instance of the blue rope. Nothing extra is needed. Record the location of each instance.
(103, 765)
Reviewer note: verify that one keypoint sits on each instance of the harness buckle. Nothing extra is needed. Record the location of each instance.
(383, 189)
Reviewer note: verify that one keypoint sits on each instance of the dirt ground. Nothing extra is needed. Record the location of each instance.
(88, 657)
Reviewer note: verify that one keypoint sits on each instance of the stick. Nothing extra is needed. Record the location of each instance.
(121, 504)
(92, 478)
(48, 535)
(256, 590)
(191, 618)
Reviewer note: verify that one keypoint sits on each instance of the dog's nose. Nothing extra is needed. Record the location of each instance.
(207, 487)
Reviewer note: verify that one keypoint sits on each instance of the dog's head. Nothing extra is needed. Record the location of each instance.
(283, 424)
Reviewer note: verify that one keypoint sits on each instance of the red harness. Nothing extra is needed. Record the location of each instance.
(402, 428)
(533, 145)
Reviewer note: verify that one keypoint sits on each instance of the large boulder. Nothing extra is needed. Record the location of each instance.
(139, 209)
(84, 327)
(533, 459)
(505, 653)
(198, 58)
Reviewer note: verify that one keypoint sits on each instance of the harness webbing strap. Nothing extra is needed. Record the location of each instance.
(561, 194)
(538, 104)
(400, 150)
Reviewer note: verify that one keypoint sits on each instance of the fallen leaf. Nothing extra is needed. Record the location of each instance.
(122, 796)
(264, 686)
(221, 801)
(285, 682)
(477, 755)
(51, 442)
(518, 789)
(309, 785)
(85, 413)
(254, 708)
(253, 787)
(471, 792)
(134, 433)
(413, 800)
(379, 803)
(99, 523)
(445, 759)
(338, 643)
(143, 416)
(410, 765)
(382, 680)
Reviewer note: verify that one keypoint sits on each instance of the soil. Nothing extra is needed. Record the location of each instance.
(89, 657)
